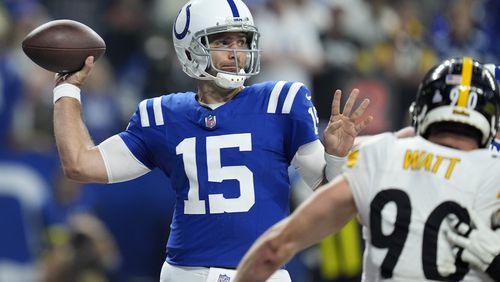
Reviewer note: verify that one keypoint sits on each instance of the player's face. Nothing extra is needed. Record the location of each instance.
(226, 60)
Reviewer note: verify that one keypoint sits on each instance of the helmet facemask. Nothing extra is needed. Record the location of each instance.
(201, 51)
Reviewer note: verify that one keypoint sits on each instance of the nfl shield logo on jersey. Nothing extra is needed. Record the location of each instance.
(224, 278)
(210, 121)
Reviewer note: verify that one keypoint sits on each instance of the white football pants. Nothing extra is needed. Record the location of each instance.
(171, 273)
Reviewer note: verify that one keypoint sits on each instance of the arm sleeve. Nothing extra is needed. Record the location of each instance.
(129, 154)
(121, 164)
(310, 164)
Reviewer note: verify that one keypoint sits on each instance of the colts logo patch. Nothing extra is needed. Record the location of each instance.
(210, 121)
(224, 278)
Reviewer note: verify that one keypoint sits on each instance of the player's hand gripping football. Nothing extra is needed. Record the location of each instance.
(343, 127)
(477, 245)
(76, 78)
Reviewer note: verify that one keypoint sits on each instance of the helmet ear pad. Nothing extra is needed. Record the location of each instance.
(204, 62)
(199, 57)
(249, 59)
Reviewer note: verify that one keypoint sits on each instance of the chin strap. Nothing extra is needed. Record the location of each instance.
(230, 81)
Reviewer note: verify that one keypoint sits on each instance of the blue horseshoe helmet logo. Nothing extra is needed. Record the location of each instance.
(186, 27)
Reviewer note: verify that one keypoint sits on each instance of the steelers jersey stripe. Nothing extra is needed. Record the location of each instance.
(273, 100)
(463, 95)
(290, 96)
(143, 112)
(158, 111)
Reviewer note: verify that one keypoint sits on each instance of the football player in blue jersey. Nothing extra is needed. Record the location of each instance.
(226, 148)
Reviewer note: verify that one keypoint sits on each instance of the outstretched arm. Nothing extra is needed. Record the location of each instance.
(324, 213)
(80, 158)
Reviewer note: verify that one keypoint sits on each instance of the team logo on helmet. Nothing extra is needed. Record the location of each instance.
(186, 27)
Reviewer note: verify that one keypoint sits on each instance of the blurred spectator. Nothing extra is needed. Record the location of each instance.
(105, 112)
(366, 21)
(340, 51)
(456, 33)
(490, 22)
(339, 257)
(10, 81)
(25, 205)
(165, 73)
(126, 28)
(31, 118)
(87, 254)
(290, 43)
(138, 214)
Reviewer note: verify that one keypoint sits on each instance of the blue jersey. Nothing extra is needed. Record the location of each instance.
(228, 166)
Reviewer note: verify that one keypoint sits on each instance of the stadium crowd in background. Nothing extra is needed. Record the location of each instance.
(382, 47)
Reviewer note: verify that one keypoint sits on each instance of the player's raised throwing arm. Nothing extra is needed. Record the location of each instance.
(80, 158)
(325, 212)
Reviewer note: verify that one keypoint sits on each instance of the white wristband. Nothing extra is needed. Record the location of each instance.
(66, 90)
(334, 166)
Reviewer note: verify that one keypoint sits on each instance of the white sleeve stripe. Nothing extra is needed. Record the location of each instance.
(121, 164)
(273, 100)
(143, 112)
(294, 89)
(158, 111)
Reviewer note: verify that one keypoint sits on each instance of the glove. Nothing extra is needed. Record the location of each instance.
(479, 245)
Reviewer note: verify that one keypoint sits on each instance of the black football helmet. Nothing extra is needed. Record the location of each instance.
(460, 95)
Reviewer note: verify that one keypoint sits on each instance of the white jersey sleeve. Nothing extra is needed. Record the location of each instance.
(121, 164)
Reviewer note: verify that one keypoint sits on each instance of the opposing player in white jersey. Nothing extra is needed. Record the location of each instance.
(405, 189)
(226, 148)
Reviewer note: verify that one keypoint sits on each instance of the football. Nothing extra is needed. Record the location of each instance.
(63, 45)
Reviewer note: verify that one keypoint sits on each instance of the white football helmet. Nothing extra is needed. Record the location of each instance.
(200, 18)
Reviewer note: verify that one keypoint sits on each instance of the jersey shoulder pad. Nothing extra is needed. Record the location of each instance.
(150, 112)
(157, 111)
(283, 97)
(373, 148)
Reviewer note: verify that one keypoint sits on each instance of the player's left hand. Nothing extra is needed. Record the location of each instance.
(477, 244)
(343, 127)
